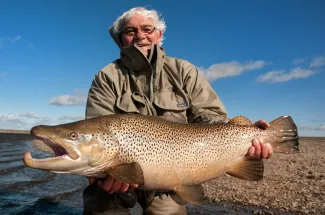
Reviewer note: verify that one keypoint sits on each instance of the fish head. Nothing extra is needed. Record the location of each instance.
(84, 148)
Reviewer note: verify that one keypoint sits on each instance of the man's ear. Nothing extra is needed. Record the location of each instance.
(159, 32)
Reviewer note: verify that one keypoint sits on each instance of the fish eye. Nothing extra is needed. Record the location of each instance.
(73, 136)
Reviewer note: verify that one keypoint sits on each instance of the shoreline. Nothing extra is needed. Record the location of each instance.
(12, 131)
(7, 135)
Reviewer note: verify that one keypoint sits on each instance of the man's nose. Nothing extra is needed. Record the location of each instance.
(140, 35)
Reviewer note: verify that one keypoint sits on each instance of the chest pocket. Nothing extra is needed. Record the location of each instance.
(174, 102)
(125, 103)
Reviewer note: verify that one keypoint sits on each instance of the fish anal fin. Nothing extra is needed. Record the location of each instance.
(130, 173)
(192, 194)
(240, 120)
(249, 168)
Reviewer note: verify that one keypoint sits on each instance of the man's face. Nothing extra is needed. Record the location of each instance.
(141, 31)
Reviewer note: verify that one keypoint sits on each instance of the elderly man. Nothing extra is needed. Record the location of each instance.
(146, 81)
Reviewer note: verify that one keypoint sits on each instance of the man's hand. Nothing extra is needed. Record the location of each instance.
(111, 185)
(259, 148)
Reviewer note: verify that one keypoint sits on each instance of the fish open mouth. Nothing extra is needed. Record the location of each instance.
(61, 152)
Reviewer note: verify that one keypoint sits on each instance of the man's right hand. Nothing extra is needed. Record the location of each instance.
(111, 185)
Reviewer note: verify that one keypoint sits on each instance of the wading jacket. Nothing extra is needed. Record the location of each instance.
(154, 85)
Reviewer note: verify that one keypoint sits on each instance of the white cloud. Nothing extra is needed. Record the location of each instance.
(71, 100)
(15, 39)
(31, 45)
(3, 74)
(71, 118)
(68, 100)
(30, 115)
(9, 39)
(312, 127)
(10, 118)
(80, 91)
(20, 119)
(26, 121)
(229, 69)
(317, 62)
(282, 76)
(299, 60)
(320, 127)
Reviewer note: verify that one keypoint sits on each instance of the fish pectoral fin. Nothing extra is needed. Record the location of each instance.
(249, 168)
(240, 120)
(192, 194)
(130, 173)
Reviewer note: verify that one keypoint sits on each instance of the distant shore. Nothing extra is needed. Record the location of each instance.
(6, 135)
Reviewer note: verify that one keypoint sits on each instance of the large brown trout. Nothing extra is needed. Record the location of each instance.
(160, 154)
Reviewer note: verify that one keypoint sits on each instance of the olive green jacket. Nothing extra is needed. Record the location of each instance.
(154, 85)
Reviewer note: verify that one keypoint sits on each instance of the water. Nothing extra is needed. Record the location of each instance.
(29, 191)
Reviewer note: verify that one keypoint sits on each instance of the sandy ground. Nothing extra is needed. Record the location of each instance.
(294, 183)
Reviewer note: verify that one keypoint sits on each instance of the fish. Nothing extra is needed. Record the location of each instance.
(161, 153)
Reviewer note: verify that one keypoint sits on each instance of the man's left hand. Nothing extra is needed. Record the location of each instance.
(259, 148)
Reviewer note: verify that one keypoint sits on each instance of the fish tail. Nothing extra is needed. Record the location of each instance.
(285, 134)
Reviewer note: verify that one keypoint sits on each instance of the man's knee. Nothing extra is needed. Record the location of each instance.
(163, 205)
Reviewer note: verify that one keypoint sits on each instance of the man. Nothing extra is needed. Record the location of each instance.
(146, 81)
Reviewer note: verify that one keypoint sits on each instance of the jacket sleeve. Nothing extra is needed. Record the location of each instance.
(101, 96)
(206, 106)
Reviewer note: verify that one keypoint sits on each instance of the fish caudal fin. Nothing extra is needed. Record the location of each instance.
(192, 194)
(249, 168)
(286, 135)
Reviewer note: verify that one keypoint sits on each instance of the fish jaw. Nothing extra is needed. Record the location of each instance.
(67, 156)
(58, 164)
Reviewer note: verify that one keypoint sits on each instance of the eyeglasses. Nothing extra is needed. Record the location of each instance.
(146, 30)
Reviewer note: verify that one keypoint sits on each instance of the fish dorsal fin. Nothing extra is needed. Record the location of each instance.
(173, 118)
(130, 173)
(249, 168)
(192, 194)
(240, 120)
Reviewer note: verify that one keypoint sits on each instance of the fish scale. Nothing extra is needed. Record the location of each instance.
(178, 152)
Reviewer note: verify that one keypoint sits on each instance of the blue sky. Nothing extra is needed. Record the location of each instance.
(264, 58)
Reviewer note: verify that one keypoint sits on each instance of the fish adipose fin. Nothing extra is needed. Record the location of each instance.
(286, 135)
(249, 168)
(192, 194)
(130, 173)
(240, 120)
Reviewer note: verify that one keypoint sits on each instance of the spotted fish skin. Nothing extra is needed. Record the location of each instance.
(160, 154)
(185, 151)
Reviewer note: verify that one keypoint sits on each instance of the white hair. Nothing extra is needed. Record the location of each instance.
(150, 14)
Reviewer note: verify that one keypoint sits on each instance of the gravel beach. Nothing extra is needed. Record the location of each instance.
(292, 183)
